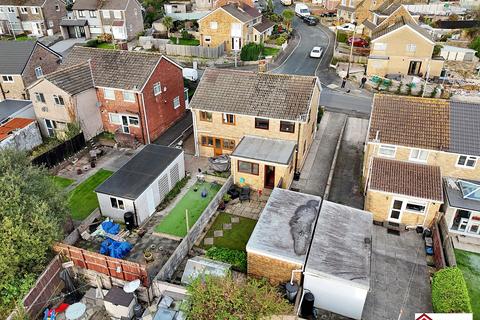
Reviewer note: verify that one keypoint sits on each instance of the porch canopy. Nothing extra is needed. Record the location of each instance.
(73, 23)
(266, 150)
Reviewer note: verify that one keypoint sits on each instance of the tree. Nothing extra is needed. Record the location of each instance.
(168, 23)
(475, 45)
(32, 212)
(153, 11)
(218, 298)
(288, 17)
(270, 6)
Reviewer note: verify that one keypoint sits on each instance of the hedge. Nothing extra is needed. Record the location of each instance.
(449, 292)
(251, 52)
(237, 258)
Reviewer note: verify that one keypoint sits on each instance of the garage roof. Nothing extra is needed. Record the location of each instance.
(131, 180)
(264, 149)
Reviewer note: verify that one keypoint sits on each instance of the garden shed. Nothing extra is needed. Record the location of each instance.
(142, 183)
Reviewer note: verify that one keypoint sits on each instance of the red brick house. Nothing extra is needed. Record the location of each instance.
(140, 95)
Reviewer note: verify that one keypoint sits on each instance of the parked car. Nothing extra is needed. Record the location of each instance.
(346, 27)
(190, 74)
(358, 42)
(287, 2)
(316, 52)
(302, 10)
(311, 21)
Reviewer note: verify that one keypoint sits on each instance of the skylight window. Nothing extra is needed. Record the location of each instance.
(470, 190)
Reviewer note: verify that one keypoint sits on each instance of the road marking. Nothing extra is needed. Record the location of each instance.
(300, 40)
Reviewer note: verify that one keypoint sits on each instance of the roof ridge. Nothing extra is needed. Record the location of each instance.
(68, 68)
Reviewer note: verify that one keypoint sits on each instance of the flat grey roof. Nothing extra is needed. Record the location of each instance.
(131, 180)
(285, 226)
(455, 197)
(341, 245)
(264, 149)
(10, 107)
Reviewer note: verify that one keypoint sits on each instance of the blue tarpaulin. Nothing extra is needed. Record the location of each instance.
(111, 227)
(115, 249)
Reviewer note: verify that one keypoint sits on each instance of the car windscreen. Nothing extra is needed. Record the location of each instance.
(304, 11)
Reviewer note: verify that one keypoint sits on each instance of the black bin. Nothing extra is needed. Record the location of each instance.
(129, 219)
(307, 305)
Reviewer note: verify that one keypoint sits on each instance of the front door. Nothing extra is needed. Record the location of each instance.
(414, 67)
(236, 43)
(37, 29)
(217, 147)
(82, 31)
(125, 127)
(269, 177)
(395, 214)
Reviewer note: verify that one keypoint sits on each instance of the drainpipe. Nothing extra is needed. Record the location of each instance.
(3, 92)
(293, 272)
(145, 119)
(298, 147)
(195, 134)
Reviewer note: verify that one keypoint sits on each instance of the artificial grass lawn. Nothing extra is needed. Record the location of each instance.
(83, 200)
(185, 42)
(235, 238)
(267, 51)
(174, 223)
(62, 182)
(469, 263)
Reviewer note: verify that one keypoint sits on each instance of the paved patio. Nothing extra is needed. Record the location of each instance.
(249, 209)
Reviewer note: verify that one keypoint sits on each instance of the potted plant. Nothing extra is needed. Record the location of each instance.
(226, 198)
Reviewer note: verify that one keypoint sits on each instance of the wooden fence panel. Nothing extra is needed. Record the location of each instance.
(113, 267)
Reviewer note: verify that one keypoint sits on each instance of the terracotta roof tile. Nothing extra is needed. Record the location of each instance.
(406, 178)
(14, 124)
(275, 96)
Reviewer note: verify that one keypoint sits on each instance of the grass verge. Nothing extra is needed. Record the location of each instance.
(185, 42)
(62, 182)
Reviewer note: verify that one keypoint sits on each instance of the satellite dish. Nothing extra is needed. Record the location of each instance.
(75, 311)
(131, 286)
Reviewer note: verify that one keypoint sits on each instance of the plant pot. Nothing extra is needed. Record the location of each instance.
(148, 256)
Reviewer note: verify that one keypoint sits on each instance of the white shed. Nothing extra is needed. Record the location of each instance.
(452, 53)
(337, 270)
(142, 183)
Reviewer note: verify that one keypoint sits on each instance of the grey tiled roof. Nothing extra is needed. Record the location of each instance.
(275, 96)
(100, 5)
(406, 178)
(368, 24)
(72, 80)
(434, 124)
(264, 25)
(85, 5)
(114, 5)
(245, 13)
(387, 8)
(120, 69)
(378, 32)
(14, 55)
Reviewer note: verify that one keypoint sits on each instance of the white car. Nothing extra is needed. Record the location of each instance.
(316, 52)
(346, 27)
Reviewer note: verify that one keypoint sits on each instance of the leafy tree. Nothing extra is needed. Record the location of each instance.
(32, 212)
(153, 11)
(251, 52)
(475, 45)
(270, 6)
(288, 17)
(215, 298)
(436, 50)
(168, 23)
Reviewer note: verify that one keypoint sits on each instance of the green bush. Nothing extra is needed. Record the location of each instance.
(251, 52)
(449, 292)
(237, 258)
(281, 39)
(92, 43)
(342, 37)
(475, 45)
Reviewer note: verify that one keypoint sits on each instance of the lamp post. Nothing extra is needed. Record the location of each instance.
(351, 47)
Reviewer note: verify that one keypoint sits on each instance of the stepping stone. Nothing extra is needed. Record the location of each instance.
(235, 219)
(227, 226)
(218, 233)
(208, 241)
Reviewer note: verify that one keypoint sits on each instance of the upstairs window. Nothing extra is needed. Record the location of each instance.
(39, 97)
(57, 7)
(23, 10)
(128, 96)
(81, 14)
(117, 14)
(380, 46)
(106, 14)
(418, 155)
(287, 126)
(157, 89)
(38, 72)
(228, 118)
(93, 14)
(411, 47)
(176, 102)
(109, 94)
(214, 25)
(34, 10)
(7, 78)
(261, 123)
(387, 151)
(11, 9)
(205, 116)
(466, 161)
(58, 100)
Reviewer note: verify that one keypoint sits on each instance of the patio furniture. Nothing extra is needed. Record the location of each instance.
(234, 192)
(245, 194)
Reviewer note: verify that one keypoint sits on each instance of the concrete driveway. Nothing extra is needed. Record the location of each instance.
(64, 46)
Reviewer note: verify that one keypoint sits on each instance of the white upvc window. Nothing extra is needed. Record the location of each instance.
(7, 79)
(38, 72)
(157, 88)
(117, 203)
(415, 207)
(81, 13)
(418, 155)
(128, 96)
(380, 46)
(34, 10)
(214, 25)
(176, 102)
(106, 14)
(39, 97)
(93, 14)
(23, 10)
(465, 161)
(115, 118)
(11, 9)
(411, 47)
(133, 121)
(387, 151)
(58, 100)
(109, 94)
(117, 14)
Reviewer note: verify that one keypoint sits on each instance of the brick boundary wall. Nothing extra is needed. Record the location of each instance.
(193, 235)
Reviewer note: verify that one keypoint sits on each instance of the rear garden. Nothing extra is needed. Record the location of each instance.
(469, 264)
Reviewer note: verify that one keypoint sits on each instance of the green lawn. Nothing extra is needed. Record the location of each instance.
(62, 182)
(267, 51)
(174, 223)
(469, 263)
(106, 45)
(235, 238)
(185, 42)
(83, 200)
